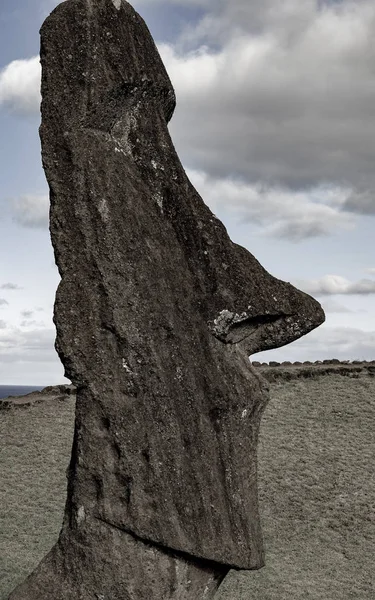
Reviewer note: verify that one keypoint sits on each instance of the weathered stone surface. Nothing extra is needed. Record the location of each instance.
(157, 310)
(97, 562)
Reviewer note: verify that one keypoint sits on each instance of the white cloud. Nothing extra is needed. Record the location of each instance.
(10, 286)
(27, 313)
(341, 342)
(20, 86)
(32, 323)
(331, 306)
(286, 99)
(2, 324)
(15, 341)
(371, 270)
(3, 302)
(27, 356)
(278, 95)
(335, 284)
(34, 345)
(281, 213)
(344, 343)
(31, 210)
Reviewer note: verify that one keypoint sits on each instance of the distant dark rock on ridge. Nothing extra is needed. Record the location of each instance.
(56, 391)
(332, 361)
(309, 370)
(156, 314)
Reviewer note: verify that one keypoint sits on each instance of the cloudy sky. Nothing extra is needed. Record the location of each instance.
(275, 125)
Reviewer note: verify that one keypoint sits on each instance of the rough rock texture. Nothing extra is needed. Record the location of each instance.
(99, 562)
(156, 314)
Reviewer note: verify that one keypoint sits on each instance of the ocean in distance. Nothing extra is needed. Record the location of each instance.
(18, 390)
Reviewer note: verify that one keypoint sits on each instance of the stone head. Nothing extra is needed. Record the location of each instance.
(158, 310)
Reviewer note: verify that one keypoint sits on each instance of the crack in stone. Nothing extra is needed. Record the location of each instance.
(213, 564)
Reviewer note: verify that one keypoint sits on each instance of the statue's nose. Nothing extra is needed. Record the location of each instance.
(270, 320)
(238, 298)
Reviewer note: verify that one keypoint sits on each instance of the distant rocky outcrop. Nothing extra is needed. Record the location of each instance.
(58, 392)
(286, 371)
(156, 314)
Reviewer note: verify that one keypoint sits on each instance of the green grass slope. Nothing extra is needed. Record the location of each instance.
(316, 487)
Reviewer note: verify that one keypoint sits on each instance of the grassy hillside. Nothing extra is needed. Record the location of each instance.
(317, 491)
(316, 485)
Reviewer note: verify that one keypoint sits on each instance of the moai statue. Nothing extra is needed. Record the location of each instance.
(156, 313)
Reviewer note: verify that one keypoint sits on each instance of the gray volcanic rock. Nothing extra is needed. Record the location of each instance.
(156, 314)
(99, 562)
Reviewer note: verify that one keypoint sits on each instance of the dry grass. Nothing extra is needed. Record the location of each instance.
(34, 453)
(317, 490)
(316, 479)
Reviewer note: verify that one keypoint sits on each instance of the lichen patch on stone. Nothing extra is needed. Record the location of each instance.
(81, 515)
